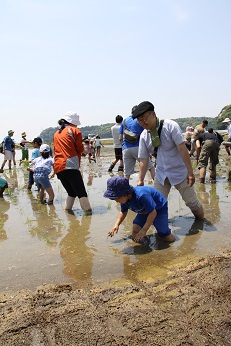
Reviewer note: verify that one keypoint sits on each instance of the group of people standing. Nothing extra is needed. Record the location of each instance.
(164, 140)
(172, 168)
(9, 146)
(205, 145)
(136, 138)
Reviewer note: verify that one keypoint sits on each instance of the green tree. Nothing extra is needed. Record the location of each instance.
(224, 113)
(47, 134)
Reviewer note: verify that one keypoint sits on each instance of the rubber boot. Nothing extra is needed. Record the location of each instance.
(111, 167)
(85, 205)
(213, 177)
(202, 180)
(69, 203)
(199, 213)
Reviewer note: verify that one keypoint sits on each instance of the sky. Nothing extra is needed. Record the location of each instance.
(99, 58)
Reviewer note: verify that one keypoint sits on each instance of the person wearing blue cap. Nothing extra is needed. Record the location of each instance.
(150, 206)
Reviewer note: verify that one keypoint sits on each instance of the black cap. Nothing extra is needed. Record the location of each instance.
(37, 140)
(142, 108)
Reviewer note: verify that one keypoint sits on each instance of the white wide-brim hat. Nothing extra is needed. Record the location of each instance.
(72, 118)
(227, 120)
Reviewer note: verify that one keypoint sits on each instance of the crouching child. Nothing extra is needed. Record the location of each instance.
(42, 168)
(150, 206)
(3, 184)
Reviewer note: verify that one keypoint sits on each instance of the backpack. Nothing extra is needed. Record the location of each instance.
(219, 137)
(1, 147)
(129, 136)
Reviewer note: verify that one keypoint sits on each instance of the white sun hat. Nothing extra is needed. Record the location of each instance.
(227, 120)
(72, 118)
(44, 148)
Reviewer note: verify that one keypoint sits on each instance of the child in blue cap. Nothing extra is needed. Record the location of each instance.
(150, 206)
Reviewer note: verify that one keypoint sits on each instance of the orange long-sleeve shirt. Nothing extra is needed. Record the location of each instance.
(68, 148)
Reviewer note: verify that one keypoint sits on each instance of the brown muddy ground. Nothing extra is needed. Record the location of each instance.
(191, 307)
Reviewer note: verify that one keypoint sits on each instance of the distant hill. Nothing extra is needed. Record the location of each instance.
(104, 130)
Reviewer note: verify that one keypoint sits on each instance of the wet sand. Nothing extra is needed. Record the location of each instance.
(63, 282)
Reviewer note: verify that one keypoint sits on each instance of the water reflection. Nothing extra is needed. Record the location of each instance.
(155, 256)
(210, 200)
(85, 254)
(4, 207)
(77, 256)
(44, 223)
(12, 180)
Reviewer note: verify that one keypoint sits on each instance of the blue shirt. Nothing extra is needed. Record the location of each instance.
(8, 143)
(144, 200)
(133, 126)
(35, 153)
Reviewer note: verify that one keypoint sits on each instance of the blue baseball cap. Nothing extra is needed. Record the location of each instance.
(117, 187)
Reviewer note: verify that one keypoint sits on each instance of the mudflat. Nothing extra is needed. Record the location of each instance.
(103, 291)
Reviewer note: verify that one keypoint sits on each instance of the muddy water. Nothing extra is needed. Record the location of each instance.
(44, 244)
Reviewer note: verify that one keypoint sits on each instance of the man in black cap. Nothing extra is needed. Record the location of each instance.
(173, 164)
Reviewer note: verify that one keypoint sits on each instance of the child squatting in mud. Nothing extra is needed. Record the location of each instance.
(150, 206)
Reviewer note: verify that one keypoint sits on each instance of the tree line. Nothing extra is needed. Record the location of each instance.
(104, 130)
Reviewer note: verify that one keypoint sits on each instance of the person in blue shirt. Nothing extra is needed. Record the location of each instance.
(150, 206)
(130, 150)
(8, 147)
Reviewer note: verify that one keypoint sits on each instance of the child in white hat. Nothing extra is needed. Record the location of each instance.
(42, 167)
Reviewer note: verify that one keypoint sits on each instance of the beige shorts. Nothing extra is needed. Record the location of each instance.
(188, 193)
(8, 155)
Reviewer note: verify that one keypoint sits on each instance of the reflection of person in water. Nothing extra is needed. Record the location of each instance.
(210, 201)
(46, 224)
(4, 207)
(159, 253)
(77, 256)
(90, 179)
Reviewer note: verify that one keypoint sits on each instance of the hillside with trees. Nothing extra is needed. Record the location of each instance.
(104, 130)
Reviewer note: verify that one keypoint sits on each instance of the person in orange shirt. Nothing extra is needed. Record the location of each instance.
(68, 148)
